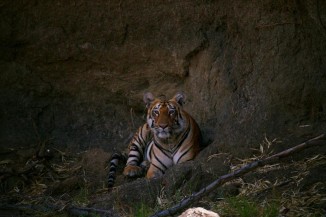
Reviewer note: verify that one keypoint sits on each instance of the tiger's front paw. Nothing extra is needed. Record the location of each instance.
(133, 171)
(153, 173)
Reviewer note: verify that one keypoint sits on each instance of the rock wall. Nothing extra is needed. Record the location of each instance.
(72, 74)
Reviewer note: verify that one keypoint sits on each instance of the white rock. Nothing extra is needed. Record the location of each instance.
(198, 212)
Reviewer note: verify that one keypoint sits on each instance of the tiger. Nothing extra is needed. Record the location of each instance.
(170, 136)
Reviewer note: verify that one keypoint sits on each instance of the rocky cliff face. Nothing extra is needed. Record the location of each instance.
(73, 73)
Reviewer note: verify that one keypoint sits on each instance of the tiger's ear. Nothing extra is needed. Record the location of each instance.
(179, 98)
(148, 98)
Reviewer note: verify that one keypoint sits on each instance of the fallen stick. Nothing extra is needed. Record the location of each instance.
(238, 173)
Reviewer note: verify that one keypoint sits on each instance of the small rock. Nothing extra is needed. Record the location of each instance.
(198, 212)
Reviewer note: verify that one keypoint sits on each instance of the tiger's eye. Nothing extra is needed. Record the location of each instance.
(171, 112)
(155, 113)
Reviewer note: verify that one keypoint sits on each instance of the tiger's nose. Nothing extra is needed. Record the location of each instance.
(163, 126)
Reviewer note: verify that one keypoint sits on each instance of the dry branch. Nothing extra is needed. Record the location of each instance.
(238, 173)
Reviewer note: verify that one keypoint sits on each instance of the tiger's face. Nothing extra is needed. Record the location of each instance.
(164, 116)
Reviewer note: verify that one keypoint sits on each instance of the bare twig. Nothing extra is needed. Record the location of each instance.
(238, 173)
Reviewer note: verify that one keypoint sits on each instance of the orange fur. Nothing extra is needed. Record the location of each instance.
(169, 137)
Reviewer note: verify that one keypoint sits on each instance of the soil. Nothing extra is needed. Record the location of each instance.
(72, 76)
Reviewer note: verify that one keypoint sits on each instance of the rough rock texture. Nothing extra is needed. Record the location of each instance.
(73, 73)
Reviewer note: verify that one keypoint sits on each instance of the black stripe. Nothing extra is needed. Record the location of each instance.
(135, 164)
(160, 147)
(137, 139)
(184, 154)
(113, 169)
(163, 150)
(132, 155)
(152, 126)
(184, 136)
(115, 156)
(118, 156)
(147, 150)
(136, 142)
(180, 116)
(165, 167)
(141, 136)
(134, 147)
(158, 168)
(115, 160)
(111, 173)
(113, 164)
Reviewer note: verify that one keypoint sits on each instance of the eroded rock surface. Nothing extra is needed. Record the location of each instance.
(74, 72)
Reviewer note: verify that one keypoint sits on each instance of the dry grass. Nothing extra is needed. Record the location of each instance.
(282, 183)
(49, 184)
(282, 189)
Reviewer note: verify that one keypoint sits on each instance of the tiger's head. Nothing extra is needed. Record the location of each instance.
(165, 117)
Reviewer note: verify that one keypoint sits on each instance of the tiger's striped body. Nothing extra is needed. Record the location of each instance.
(170, 136)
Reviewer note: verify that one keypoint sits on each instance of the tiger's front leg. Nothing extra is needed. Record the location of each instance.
(134, 171)
(134, 166)
(160, 161)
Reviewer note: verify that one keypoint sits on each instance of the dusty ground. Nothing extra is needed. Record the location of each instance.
(43, 182)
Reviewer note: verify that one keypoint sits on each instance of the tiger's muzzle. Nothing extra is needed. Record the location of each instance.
(163, 132)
